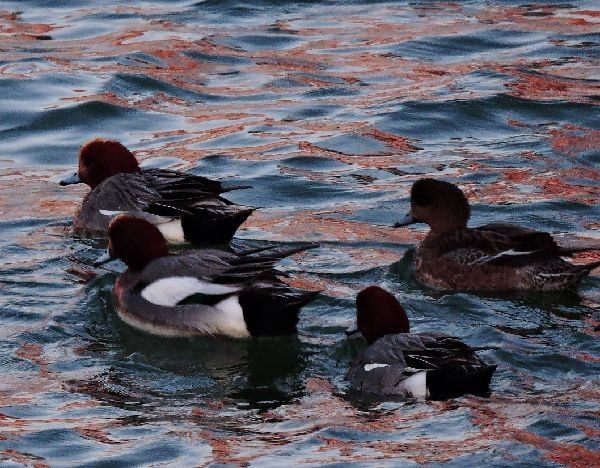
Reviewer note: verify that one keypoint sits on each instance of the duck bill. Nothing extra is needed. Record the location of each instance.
(102, 259)
(408, 219)
(74, 179)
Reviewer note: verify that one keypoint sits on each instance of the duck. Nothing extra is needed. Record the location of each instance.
(493, 257)
(200, 291)
(184, 207)
(400, 364)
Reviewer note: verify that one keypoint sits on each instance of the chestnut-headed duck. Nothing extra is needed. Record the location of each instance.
(402, 364)
(494, 257)
(200, 292)
(184, 207)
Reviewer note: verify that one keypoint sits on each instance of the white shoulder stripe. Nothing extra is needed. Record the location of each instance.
(110, 213)
(370, 367)
(504, 253)
(170, 291)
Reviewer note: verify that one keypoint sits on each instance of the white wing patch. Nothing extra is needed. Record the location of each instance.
(416, 385)
(505, 253)
(110, 213)
(172, 230)
(370, 367)
(170, 291)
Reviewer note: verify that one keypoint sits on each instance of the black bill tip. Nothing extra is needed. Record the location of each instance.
(408, 219)
(73, 179)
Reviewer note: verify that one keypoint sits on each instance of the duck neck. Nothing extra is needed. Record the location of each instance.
(438, 231)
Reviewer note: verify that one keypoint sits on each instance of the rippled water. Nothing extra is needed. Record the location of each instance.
(330, 110)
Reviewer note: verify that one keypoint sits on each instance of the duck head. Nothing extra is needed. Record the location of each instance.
(135, 241)
(100, 159)
(439, 204)
(378, 313)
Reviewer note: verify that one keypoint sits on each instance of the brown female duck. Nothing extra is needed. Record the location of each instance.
(494, 257)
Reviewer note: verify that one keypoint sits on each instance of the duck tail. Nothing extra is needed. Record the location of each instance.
(273, 311)
(448, 383)
(569, 251)
(583, 270)
(222, 225)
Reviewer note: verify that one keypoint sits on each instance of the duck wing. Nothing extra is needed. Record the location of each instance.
(221, 266)
(201, 264)
(162, 193)
(174, 184)
(206, 217)
(186, 191)
(425, 351)
(254, 264)
(121, 193)
(397, 365)
(500, 245)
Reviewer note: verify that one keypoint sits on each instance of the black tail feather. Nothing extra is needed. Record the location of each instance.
(450, 382)
(231, 188)
(588, 267)
(205, 227)
(273, 311)
(581, 271)
(272, 253)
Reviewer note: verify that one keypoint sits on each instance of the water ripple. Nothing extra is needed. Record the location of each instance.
(330, 111)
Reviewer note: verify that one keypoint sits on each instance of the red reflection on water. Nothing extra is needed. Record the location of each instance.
(26, 459)
(355, 51)
(572, 140)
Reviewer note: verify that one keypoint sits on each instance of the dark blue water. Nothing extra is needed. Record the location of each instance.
(330, 110)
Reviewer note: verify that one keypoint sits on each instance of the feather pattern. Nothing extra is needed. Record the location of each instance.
(447, 366)
(172, 290)
(499, 257)
(160, 196)
(186, 295)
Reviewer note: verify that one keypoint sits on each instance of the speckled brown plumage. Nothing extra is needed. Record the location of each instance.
(494, 257)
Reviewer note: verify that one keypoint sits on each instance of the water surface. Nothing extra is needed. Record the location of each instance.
(330, 110)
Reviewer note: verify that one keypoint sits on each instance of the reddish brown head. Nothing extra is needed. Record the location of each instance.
(100, 159)
(378, 313)
(440, 204)
(135, 241)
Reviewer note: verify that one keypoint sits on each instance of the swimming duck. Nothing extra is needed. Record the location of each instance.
(184, 207)
(494, 257)
(200, 292)
(402, 364)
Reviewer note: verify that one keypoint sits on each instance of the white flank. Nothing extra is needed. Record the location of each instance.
(231, 321)
(110, 213)
(170, 291)
(416, 385)
(370, 367)
(172, 231)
